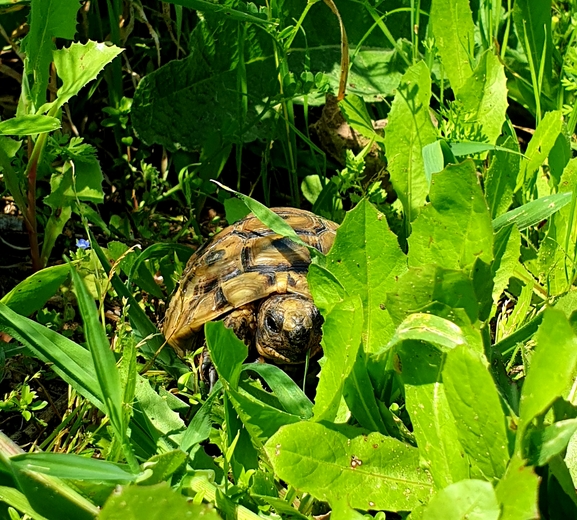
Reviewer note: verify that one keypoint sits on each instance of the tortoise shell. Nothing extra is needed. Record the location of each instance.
(243, 263)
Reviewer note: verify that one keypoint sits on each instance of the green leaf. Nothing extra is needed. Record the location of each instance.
(533, 212)
(260, 419)
(517, 492)
(558, 250)
(368, 471)
(431, 329)
(235, 210)
(157, 502)
(102, 356)
(342, 331)
(269, 218)
(79, 180)
(152, 341)
(534, 20)
(507, 249)
(233, 14)
(74, 467)
(366, 260)
(359, 394)
(455, 228)
(465, 500)
(546, 442)
(552, 369)
(18, 501)
(356, 114)
(484, 99)
(475, 404)
(203, 85)
(48, 20)
(445, 289)
(78, 65)
(453, 29)
(29, 125)
(290, 396)
(227, 352)
(501, 177)
(419, 365)
(433, 159)
(409, 130)
(31, 294)
(70, 361)
(162, 466)
(538, 149)
(12, 179)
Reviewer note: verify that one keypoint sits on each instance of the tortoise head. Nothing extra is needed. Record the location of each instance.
(288, 326)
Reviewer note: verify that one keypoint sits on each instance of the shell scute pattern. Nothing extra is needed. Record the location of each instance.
(244, 263)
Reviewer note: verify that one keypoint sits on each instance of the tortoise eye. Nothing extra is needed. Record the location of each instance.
(272, 325)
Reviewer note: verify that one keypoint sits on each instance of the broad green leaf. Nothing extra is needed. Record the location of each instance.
(419, 365)
(16, 499)
(260, 419)
(290, 396)
(359, 394)
(49, 19)
(31, 294)
(430, 329)
(235, 210)
(162, 466)
(409, 130)
(78, 65)
(368, 471)
(227, 352)
(557, 252)
(502, 177)
(433, 160)
(507, 249)
(517, 492)
(420, 287)
(533, 19)
(102, 356)
(533, 212)
(464, 500)
(453, 29)
(538, 149)
(483, 96)
(552, 369)
(325, 288)
(203, 85)
(342, 331)
(79, 180)
(54, 227)
(29, 125)
(74, 467)
(545, 442)
(455, 228)
(355, 112)
(366, 260)
(157, 502)
(474, 402)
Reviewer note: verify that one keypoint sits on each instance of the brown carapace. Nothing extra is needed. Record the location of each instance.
(255, 280)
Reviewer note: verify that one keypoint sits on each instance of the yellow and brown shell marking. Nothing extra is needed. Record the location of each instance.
(244, 263)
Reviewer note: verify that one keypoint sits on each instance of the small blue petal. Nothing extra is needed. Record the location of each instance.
(82, 244)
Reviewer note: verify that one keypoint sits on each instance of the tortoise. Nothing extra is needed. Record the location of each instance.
(255, 280)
